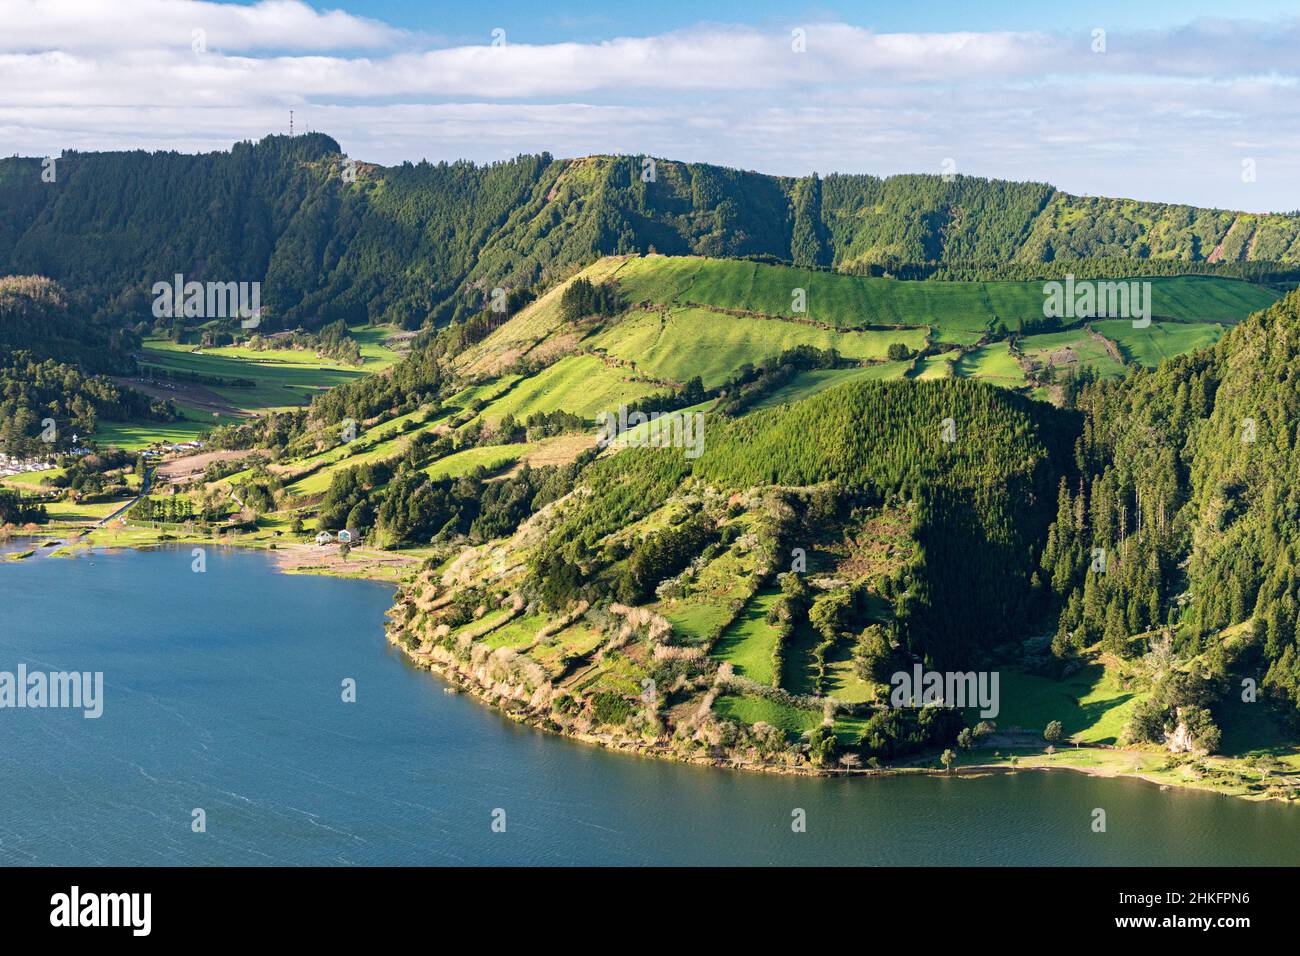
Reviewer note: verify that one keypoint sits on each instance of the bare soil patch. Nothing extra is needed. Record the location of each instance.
(182, 470)
(186, 393)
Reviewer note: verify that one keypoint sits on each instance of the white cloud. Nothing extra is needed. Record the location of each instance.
(1158, 115)
(105, 26)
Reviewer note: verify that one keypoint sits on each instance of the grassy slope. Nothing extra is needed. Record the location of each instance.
(688, 342)
(749, 641)
(675, 340)
(1160, 340)
(581, 384)
(855, 301)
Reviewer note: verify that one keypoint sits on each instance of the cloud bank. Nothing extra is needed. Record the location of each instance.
(1170, 114)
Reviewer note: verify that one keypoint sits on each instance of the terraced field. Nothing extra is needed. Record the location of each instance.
(580, 384)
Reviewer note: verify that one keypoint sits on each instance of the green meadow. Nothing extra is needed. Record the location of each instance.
(752, 709)
(749, 641)
(1074, 347)
(855, 301)
(1158, 341)
(1092, 704)
(992, 363)
(580, 384)
(687, 342)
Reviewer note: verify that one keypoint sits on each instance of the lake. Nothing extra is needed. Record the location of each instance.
(223, 692)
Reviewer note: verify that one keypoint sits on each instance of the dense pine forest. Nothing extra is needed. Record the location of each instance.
(334, 238)
(52, 360)
(1184, 514)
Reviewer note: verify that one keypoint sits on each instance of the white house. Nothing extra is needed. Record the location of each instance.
(324, 537)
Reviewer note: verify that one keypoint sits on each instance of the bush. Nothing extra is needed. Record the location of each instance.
(609, 707)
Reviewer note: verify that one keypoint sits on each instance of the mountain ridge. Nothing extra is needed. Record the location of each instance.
(425, 244)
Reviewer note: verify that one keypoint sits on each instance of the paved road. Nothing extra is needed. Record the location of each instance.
(144, 490)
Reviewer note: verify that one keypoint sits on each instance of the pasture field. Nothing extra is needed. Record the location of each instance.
(854, 301)
(491, 457)
(28, 479)
(136, 435)
(375, 354)
(748, 642)
(282, 378)
(993, 363)
(580, 384)
(1074, 347)
(689, 342)
(1159, 340)
(751, 709)
(806, 384)
(1091, 703)
(936, 366)
(82, 512)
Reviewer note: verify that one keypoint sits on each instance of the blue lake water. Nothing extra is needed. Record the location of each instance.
(223, 692)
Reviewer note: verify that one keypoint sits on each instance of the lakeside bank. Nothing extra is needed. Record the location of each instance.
(1224, 775)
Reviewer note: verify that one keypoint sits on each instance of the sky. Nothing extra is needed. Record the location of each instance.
(1179, 102)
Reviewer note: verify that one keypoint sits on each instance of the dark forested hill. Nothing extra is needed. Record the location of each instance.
(423, 243)
(52, 361)
(1188, 510)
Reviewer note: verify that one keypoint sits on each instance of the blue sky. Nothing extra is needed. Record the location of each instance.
(1179, 102)
(536, 22)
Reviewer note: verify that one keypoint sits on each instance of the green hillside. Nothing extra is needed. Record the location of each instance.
(687, 317)
(856, 302)
(419, 244)
(899, 460)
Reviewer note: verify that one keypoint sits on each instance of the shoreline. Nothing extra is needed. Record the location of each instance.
(457, 680)
(386, 568)
(289, 557)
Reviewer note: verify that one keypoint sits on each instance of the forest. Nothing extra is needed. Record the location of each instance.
(417, 245)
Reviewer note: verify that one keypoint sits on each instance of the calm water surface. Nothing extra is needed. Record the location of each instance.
(223, 692)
